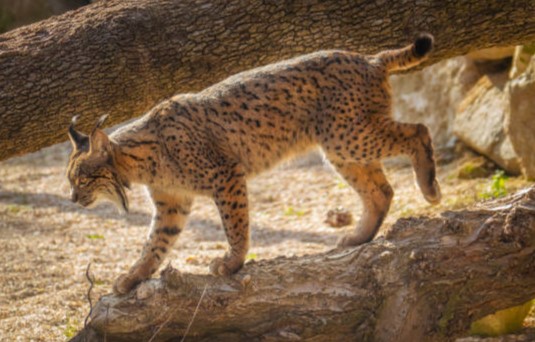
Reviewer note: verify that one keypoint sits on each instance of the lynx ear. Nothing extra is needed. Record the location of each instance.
(79, 140)
(101, 121)
(98, 140)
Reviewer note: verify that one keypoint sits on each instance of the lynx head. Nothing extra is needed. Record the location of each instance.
(91, 169)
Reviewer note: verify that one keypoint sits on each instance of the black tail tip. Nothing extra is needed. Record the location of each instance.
(423, 44)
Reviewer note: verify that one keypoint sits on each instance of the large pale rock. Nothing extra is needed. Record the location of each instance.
(493, 53)
(480, 121)
(521, 59)
(431, 95)
(520, 120)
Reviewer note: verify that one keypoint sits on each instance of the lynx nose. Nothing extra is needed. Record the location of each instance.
(74, 196)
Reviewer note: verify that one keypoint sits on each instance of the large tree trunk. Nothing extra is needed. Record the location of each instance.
(427, 280)
(121, 57)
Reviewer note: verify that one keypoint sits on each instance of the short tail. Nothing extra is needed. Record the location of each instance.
(408, 56)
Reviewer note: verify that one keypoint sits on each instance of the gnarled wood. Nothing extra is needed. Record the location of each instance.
(426, 280)
(123, 56)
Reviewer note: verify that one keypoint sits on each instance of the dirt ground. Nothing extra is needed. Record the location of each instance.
(46, 242)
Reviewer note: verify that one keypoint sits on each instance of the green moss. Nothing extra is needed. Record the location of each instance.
(449, 312)
(502, 322)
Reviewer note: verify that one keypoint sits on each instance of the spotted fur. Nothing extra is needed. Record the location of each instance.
(208, 143)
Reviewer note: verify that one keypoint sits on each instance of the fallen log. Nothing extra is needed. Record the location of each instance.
(427, 279)
(123, 56)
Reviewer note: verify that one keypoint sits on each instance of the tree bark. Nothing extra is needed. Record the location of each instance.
(121, 57)
(426, 280)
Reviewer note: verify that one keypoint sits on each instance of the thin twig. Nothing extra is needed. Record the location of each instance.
(171, 315)
(194, 313)
(91, 282)
(106, 322)
(162, 325)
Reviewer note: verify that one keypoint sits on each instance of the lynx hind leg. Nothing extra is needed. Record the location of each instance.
(426, 158)
(376, 194)
(230, 195)
(416, 143)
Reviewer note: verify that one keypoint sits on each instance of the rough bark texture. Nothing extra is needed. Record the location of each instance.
(426, 280)
(121, 57)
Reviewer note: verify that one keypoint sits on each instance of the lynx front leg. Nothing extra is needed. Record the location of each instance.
(230, 195)
(376, 194)
(168, 221)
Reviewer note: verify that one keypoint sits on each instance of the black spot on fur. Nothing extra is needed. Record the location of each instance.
(170, 230)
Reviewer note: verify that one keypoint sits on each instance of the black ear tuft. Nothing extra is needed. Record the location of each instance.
(423, 44)
(79, 140)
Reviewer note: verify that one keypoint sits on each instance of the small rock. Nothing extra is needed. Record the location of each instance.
(521, 59)
(193, 260)
(478, 167)
(339, 217)
(492, 53)
(430, 96)
(519, 121)
(480, 122)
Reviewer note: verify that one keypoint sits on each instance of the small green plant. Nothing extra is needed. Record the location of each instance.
(13, 209)
(99, 282)
(461, 200)
(95, 236)
(70, 328)
(251, 256)
(497, 186)
(17, 208)
(291, 211)
(406, 212)
(341, 184)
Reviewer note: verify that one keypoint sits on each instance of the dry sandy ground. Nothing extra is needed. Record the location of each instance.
(46, 242)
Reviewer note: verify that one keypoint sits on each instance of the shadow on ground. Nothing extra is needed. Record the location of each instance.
(47, 200)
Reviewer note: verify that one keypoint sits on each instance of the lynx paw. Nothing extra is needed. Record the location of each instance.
(352, 240)
(125, 283)
(434, 196)
(224, 266)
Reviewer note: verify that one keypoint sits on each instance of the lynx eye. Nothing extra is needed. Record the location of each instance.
(82, 181)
